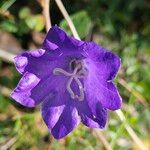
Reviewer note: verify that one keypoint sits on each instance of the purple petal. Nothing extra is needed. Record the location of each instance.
(42, 65)
(44, 71)
(51, 111)
(58, 38)
(106, 94)
(93, 120)
(49, 45)
(68, 120)
(38, 62)
(21, 62)
(102, 67)
(60, 117)
(105, 63)
(51, 85)
(23, 90)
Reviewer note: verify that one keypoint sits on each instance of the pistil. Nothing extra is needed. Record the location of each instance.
(78, 73)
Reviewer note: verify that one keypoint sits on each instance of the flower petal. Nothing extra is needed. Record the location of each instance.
(105, 63)
(42, 63)
(106, 94)
(102, 67)
(68, 120)
(23, 90)
(94, 120)
(38, 62)
(22, 61)
(59, 114)
(51, 110)
(97, 120)
(43, 68)
(57, 37)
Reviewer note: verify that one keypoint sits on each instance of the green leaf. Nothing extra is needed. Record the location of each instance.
(81, 21)
(24, 13)
(3, 104)
(6, 4)
(9, 26)
(35, 22)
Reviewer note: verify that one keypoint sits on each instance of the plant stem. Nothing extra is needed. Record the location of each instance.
(46, 11)
(68, 19)
(7, 56)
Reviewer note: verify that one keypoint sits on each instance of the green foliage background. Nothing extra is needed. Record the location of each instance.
(120, 25)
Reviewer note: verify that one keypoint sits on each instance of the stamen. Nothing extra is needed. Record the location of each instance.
(78, 72)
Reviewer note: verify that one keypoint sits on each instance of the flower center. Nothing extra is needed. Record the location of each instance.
(78, 72)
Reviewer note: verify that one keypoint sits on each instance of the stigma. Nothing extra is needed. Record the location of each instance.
(78, 72)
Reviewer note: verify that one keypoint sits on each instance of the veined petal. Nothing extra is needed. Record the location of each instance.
(90, 119)
(102, 67)
(104, 93)
(113, 97)
(58, 37)
(38, 62)
(68, 120)
(42, 63)
(59, 114)
(105, 63)
(51, 110)
(54, 85)
(23, 90)
(43, 66)
(21, 61)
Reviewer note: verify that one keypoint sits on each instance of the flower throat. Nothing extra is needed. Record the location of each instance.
(78, 72)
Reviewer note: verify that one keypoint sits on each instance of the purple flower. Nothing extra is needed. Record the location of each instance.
(73, 81)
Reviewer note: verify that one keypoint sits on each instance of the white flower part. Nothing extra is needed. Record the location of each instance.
(76, 75)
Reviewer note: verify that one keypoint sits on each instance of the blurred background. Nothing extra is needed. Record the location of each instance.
(120, 25)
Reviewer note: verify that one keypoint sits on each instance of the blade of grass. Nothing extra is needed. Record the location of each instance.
(4, 55)
(5, 91)
(102, 138)
(7, 4)
(68, 19)
(117, 135)
(139, 97)
(8, 144)
(130, 130)
(46, 13)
